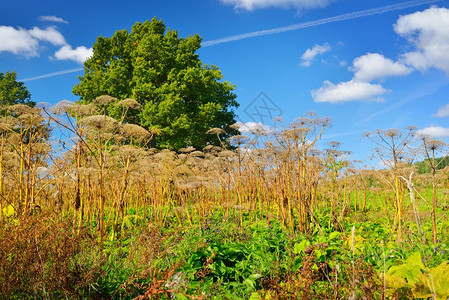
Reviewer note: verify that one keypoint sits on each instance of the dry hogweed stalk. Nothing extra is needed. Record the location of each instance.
(432, 149)
(393, 146)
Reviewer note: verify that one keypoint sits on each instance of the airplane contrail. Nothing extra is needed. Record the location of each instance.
(339, 18)
(51, 74)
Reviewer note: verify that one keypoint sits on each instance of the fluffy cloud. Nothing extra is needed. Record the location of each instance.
(428, 31)
(20, 41)
(17, 41)
(50, 34)
(352, 90)
(26, 42)
(254, 4)
(52, 19)
(373, 66)
(253, 128)
(435, 131)
(443, 112)
(79, 54)
(311, 53)
(366, 68)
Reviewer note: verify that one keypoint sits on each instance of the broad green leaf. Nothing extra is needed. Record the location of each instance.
(334, 235)
(298, 248)
(434, 283)
(8, 211)
(410, 270)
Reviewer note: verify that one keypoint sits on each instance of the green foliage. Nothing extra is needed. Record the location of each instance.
(181, 97)
(13, 92)
(424, 166)
(406, 274)
(422, 281)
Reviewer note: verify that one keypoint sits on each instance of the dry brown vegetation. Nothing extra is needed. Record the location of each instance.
(70, 174)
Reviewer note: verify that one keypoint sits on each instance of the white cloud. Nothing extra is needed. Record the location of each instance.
(26, 42)
(50, 34)
(366, 68)
(435, 131)
(79, 54)
(253, 128)
(52, 19)
(348, 91)
(17, 41)
(311, 53)
(428, 31)
(373, 66)
(254, 4)
(443, 112)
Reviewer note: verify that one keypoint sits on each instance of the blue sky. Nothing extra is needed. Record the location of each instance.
(365, 64)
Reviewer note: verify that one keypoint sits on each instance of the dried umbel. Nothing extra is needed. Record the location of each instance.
(227, 154)
(99, 122)
(212, 149)
(334, 145)
(62, 107)
(135, 131)
(238, 140)
(392, 132)
(182, 170)
(302, 122)
(435, 145)
(83, 110)
(165, 155)
(182, 157)
(104, 100)
(131, 152)
(188, 183)
(187, 150)
(6, 124)
(299, 133)
(30, 119)
(20, 109)
(128, 103)
(42, 148)
(196, 154)
(74, 109)
(217, 131)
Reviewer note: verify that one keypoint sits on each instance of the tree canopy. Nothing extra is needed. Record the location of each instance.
(181, 97)
(13, 92)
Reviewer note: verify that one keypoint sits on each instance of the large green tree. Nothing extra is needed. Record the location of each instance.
(181, 97)
(12, 91)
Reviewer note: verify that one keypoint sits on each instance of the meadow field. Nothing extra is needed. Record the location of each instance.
(88, 210)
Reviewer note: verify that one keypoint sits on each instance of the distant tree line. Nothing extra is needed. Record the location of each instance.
(424, 166)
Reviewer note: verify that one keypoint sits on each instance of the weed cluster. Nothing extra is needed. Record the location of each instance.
(88, 209)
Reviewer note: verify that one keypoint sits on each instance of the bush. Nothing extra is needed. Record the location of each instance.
(36, 258)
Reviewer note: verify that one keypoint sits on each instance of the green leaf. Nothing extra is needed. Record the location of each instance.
(334, 235)
(434, 283)
(299, 248)
(409, 271)
(8, 211)
(255, 296)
